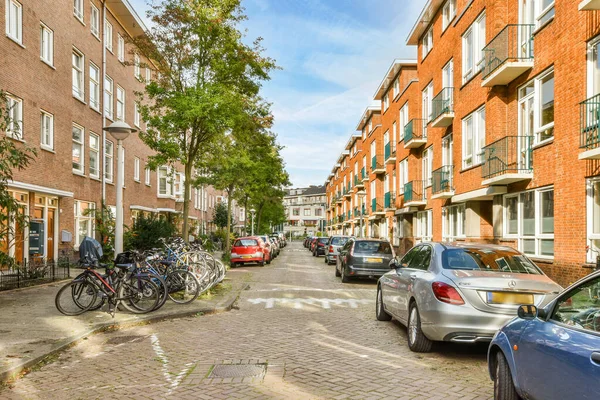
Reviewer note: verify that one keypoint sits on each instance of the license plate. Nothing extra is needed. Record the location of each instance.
(374, 260)
(509, 298)
(246, 256)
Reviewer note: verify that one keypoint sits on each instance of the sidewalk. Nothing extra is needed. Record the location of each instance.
(31, 328)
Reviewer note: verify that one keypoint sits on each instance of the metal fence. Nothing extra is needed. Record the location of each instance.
(35, 272)
(513, 43)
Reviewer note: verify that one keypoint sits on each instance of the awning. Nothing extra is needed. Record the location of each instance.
(406, 210)
(39, 189)
(142, 208)
(487, 193)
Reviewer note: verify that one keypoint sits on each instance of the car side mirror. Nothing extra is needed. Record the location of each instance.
(527, 312)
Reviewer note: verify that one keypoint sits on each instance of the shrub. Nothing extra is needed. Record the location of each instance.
(146, 232)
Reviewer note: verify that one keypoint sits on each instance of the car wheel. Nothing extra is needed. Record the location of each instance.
(269, 260)
(504, 387)
(262, 263)
(314, 254)
(233, 265)
(345, 278)
(417, 341)
(379, 311)
(326, 260)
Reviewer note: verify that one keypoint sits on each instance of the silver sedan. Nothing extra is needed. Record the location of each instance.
(459, 292)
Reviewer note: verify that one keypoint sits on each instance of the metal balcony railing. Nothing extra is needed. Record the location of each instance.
(376, 205)
(414, 191)
(513, 43)
(376, 162)
(389, 150)
(511, 154)
(442, 179)
(363, 173)
(389, 200)
(415, 129)
(589, 124)
(348, 215)
(442, 103)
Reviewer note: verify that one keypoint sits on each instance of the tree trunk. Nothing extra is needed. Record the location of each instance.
(186, 201)
(229, 201)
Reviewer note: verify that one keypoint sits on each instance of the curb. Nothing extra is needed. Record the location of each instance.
(16, 371)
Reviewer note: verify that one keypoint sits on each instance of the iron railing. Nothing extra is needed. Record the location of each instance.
(442, 179)
(415, 129)
(35, 272)
(376, 162)
(363, 173)
(414, 191)
(589, 124)
(513, 43)
(442, 103)
(511, 154)
(389, 200)
(376, 205)
(389, 150)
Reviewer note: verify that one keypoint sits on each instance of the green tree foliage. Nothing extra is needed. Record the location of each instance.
(220, 215)
(146, 233)
(208, 76)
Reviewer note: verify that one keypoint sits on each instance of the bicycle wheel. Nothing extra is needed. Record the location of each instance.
(183, 286)
(138, 294)
(100, 298)
(76, 297)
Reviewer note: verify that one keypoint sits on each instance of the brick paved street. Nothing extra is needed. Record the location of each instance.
(298, 334)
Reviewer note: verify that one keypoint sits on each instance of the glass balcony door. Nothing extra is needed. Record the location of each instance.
(526, 125)
(526, 19)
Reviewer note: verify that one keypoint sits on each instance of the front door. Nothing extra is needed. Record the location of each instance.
(50, 231)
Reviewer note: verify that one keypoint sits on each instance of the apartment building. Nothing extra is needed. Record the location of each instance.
(305, 210)
(507, 95)
(69, 71)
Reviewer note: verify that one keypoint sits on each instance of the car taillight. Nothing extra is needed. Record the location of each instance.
(446, 293)
(331, 249)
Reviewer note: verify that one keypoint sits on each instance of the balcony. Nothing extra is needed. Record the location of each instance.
(339, 199)
(415, 133)
(347, 193)
(358, 182)
(389, 153)
(443, 108)
(508, 55)
(376, 207)
(589, 127)
(589, 5)
(507, 160)
(377, 166)
(389, 201)
(415, 194)
(442, 186)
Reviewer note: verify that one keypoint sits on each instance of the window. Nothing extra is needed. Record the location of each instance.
(394, 132)
(14, 20)
(136, 169)
(14, 126)
(120, 103)
(580, 310)
(94, 156)
(108, 160)
(120, 48)
(424, 226)
(84, 220)
(544, 11)
(318, 212)
(147, 174)
(307, 212)
(403, 175)
(136, 67)
(396, 88)
(95, 21)
(78, 9)
(453, 222)
(94, 87)
(473, 42)
(148, 75)
(427, 98)
(447, 156)
(448, 13)
(78, 62)
(593, 218)
(296, 212)
(529, 219)
(427, 161)
(403, 119)
(78, 139)
(108, 97)
(473, 128)
(47, 125)
(386, 101)
(136, 114)
(108, 36)
(46, 45)
(536, 108)
(448, 76)
(427, 43)
(165, 183)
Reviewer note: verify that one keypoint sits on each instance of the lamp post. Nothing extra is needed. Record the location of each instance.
(252, 211)
(362, 206)
(120, 131)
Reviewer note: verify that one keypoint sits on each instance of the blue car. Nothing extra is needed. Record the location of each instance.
(551, 352)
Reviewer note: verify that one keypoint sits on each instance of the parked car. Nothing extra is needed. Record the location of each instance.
(307, 241)
(313, 243)
(276, 243)
(247, 250)
(333, 247)
(320, 246)
(557, 343)
(364, 257)
(269, 247)
(459, 292)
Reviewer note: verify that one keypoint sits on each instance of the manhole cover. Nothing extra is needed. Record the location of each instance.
(238, 371)
(123, 339)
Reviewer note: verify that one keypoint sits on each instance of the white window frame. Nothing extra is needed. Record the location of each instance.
(136, 169)
(108, 35)
(94, 149)
(519, 236)
(46, 44)
(95, 21)
(396, 88)
(137, 72)
(147, 176)
(448, 14)
(81, 145)
(120, 104)
(46, 130)
(78, 75)
(543, 16)
(14, 30)
(427, 166)
(94, 87)
(427, 102)
(403, 175)
(169, 191)
(136, 114)
(424, 228)
(386, 101)
(148, 74)
(81, 217)
(109, 86)
(427, 43)
(14, 107)
(593, 215)
(451, 231)
(307, 212)
(120, 48)
(473, 156)
(109, 150)
(78, 9)
(403, 120)
(477, 32)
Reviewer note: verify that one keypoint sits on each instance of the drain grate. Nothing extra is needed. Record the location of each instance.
(238, 371)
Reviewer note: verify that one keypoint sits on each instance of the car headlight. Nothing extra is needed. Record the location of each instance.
(234, 255)
(258, 254)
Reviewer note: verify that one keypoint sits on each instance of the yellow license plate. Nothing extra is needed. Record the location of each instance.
(509, 298)
(246, 256)
(374, 260)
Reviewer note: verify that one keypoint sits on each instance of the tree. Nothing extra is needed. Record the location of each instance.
(220, 216)
(13, 156)
(207, 78)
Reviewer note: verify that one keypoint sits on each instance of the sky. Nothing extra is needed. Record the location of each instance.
(333, 55)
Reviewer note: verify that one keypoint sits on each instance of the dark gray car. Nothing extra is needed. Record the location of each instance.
(364, 258)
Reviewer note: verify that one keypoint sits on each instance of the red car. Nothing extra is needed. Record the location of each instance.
(247, 250)
(313, 244)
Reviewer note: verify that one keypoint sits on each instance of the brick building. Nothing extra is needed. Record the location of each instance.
(65, 67)
(500, 140)
(305, 210)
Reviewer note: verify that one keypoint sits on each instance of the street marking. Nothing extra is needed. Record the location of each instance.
(162, 356)
(298, 303)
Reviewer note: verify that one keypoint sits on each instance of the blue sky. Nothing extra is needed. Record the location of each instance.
(334, 54)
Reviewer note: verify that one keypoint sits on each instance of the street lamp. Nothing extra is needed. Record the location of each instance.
(252, 211)
(120, 131)
(362, 207)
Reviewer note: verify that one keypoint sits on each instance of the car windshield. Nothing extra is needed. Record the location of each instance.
(368, 247)
(323, 240)
(339, 241)
(484, 259)
(245, 243)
